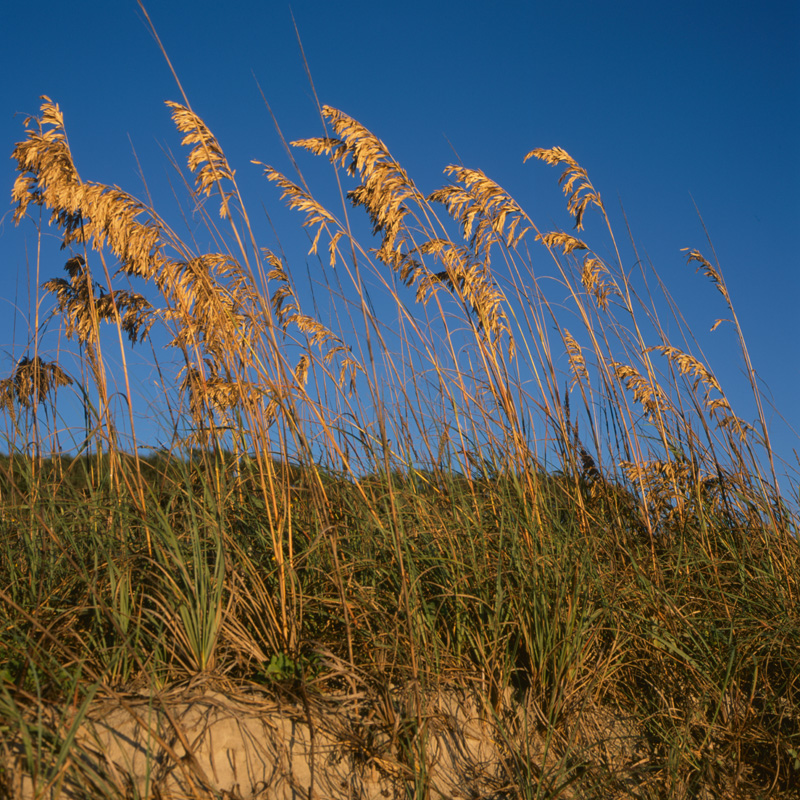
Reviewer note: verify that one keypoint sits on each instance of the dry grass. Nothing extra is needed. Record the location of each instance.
(570, 522)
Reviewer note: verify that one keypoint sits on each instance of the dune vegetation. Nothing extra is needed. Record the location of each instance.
(487, 461)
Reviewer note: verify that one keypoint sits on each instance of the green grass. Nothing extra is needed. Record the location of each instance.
(416, 503)
(554, 606)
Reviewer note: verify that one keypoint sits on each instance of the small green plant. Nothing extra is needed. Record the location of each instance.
(282, 667)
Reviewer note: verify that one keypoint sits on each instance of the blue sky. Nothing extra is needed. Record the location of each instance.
(666, 104)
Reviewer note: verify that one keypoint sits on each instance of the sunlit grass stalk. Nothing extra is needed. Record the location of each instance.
(541, 495)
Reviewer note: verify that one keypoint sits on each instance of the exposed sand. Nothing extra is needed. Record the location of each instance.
(200, 743)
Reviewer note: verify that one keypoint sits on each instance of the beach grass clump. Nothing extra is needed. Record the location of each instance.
(445, 476)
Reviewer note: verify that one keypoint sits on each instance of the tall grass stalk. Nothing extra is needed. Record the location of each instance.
(455, 476)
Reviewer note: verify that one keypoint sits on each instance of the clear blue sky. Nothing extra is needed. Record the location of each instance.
(665, 104)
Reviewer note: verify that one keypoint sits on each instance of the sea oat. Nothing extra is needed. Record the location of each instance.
(206, 159)
(601, 290)
(283, 300)
(710, 272)
(31, 382)
(85, 212)
(465, 275)
(300, 200)
(649, 396)
(736, 425)
(582, 196)
(688, 365)
(577, 362)
(320, 335)
(73, 303)
(385, 186)
(475, 198)
(564, 241)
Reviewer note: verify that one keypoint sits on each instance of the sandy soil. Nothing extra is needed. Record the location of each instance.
(202, 743)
